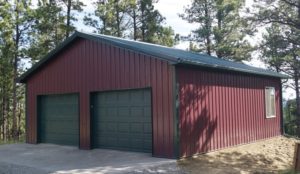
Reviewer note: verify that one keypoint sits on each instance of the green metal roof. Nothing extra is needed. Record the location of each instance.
(172, 55)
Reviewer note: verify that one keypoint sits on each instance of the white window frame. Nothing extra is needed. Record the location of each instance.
(268, 88)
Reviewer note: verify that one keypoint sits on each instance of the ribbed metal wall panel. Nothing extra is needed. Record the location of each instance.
(219, 109)
(86, 66)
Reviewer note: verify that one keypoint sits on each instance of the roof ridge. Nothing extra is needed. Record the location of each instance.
(146, 43)
(162, 46)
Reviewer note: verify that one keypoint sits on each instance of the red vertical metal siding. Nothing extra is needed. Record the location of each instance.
(219, 110)
(86, 66)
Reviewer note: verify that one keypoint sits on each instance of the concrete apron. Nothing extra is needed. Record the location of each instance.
(46, 158)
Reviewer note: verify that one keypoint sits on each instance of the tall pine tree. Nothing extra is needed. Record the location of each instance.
(110, 17)
(136, 18)
(15, 25)
(281, 45)
(222, 30)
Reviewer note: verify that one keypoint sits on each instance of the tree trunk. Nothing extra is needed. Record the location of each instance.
(7, 121)
(143, 27)
(118, 18)
(217, 37)
(15, 76)
(296, 79)
(104, 27)
(207, 25)
(134, 25)
(19, 120)
(299, 14)
(14, 109)
(3, 115)
(69, 5)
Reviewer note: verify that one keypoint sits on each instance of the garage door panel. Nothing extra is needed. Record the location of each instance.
(111, 127)
(124, 127)
(137, 112)
(137, 144)
(56, 117)
(136, 128)
(125, 116)
(60, 136)
(147, 111)
(148, 145)
(106, 142)
(55, 131)
(59, 127)
(111, 141)
(147, 137)
(60, 139)
(147, 128)
(125, 142)
(109, 114)
(123, 97)
(123, 112)
(59, 119)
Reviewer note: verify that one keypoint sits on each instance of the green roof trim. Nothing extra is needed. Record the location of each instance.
(172, 55)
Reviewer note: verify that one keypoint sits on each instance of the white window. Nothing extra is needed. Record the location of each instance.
(270, 102)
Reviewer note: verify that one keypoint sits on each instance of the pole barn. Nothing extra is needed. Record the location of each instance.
(97, 91)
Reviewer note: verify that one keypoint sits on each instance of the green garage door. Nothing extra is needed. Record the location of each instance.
(122, 120)
(59, 119)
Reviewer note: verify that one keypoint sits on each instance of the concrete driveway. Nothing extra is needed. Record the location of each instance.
(46, 158)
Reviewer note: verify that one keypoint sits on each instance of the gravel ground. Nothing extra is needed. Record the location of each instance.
(268, 156)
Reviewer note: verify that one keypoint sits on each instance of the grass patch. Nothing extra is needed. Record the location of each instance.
(21, 140)
(289, 172)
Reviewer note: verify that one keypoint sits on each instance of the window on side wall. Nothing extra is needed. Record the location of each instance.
(270, 102)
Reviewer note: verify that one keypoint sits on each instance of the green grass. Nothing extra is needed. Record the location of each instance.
(21, 140)
(288, 172)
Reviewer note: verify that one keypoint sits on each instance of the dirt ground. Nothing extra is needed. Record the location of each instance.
(274, 155)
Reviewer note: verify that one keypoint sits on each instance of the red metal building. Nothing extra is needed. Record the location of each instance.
(96, 91)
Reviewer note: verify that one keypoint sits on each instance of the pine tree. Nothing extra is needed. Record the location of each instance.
(48, 31)
(71, 5)
(117, 17)
(54, 21)
(281, 46)
(109, 17)
(274, 47)
(222, 30)
(15, 24)
(147, 24)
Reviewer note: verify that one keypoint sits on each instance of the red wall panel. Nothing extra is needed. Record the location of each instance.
(87, 66)
(219, 110)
